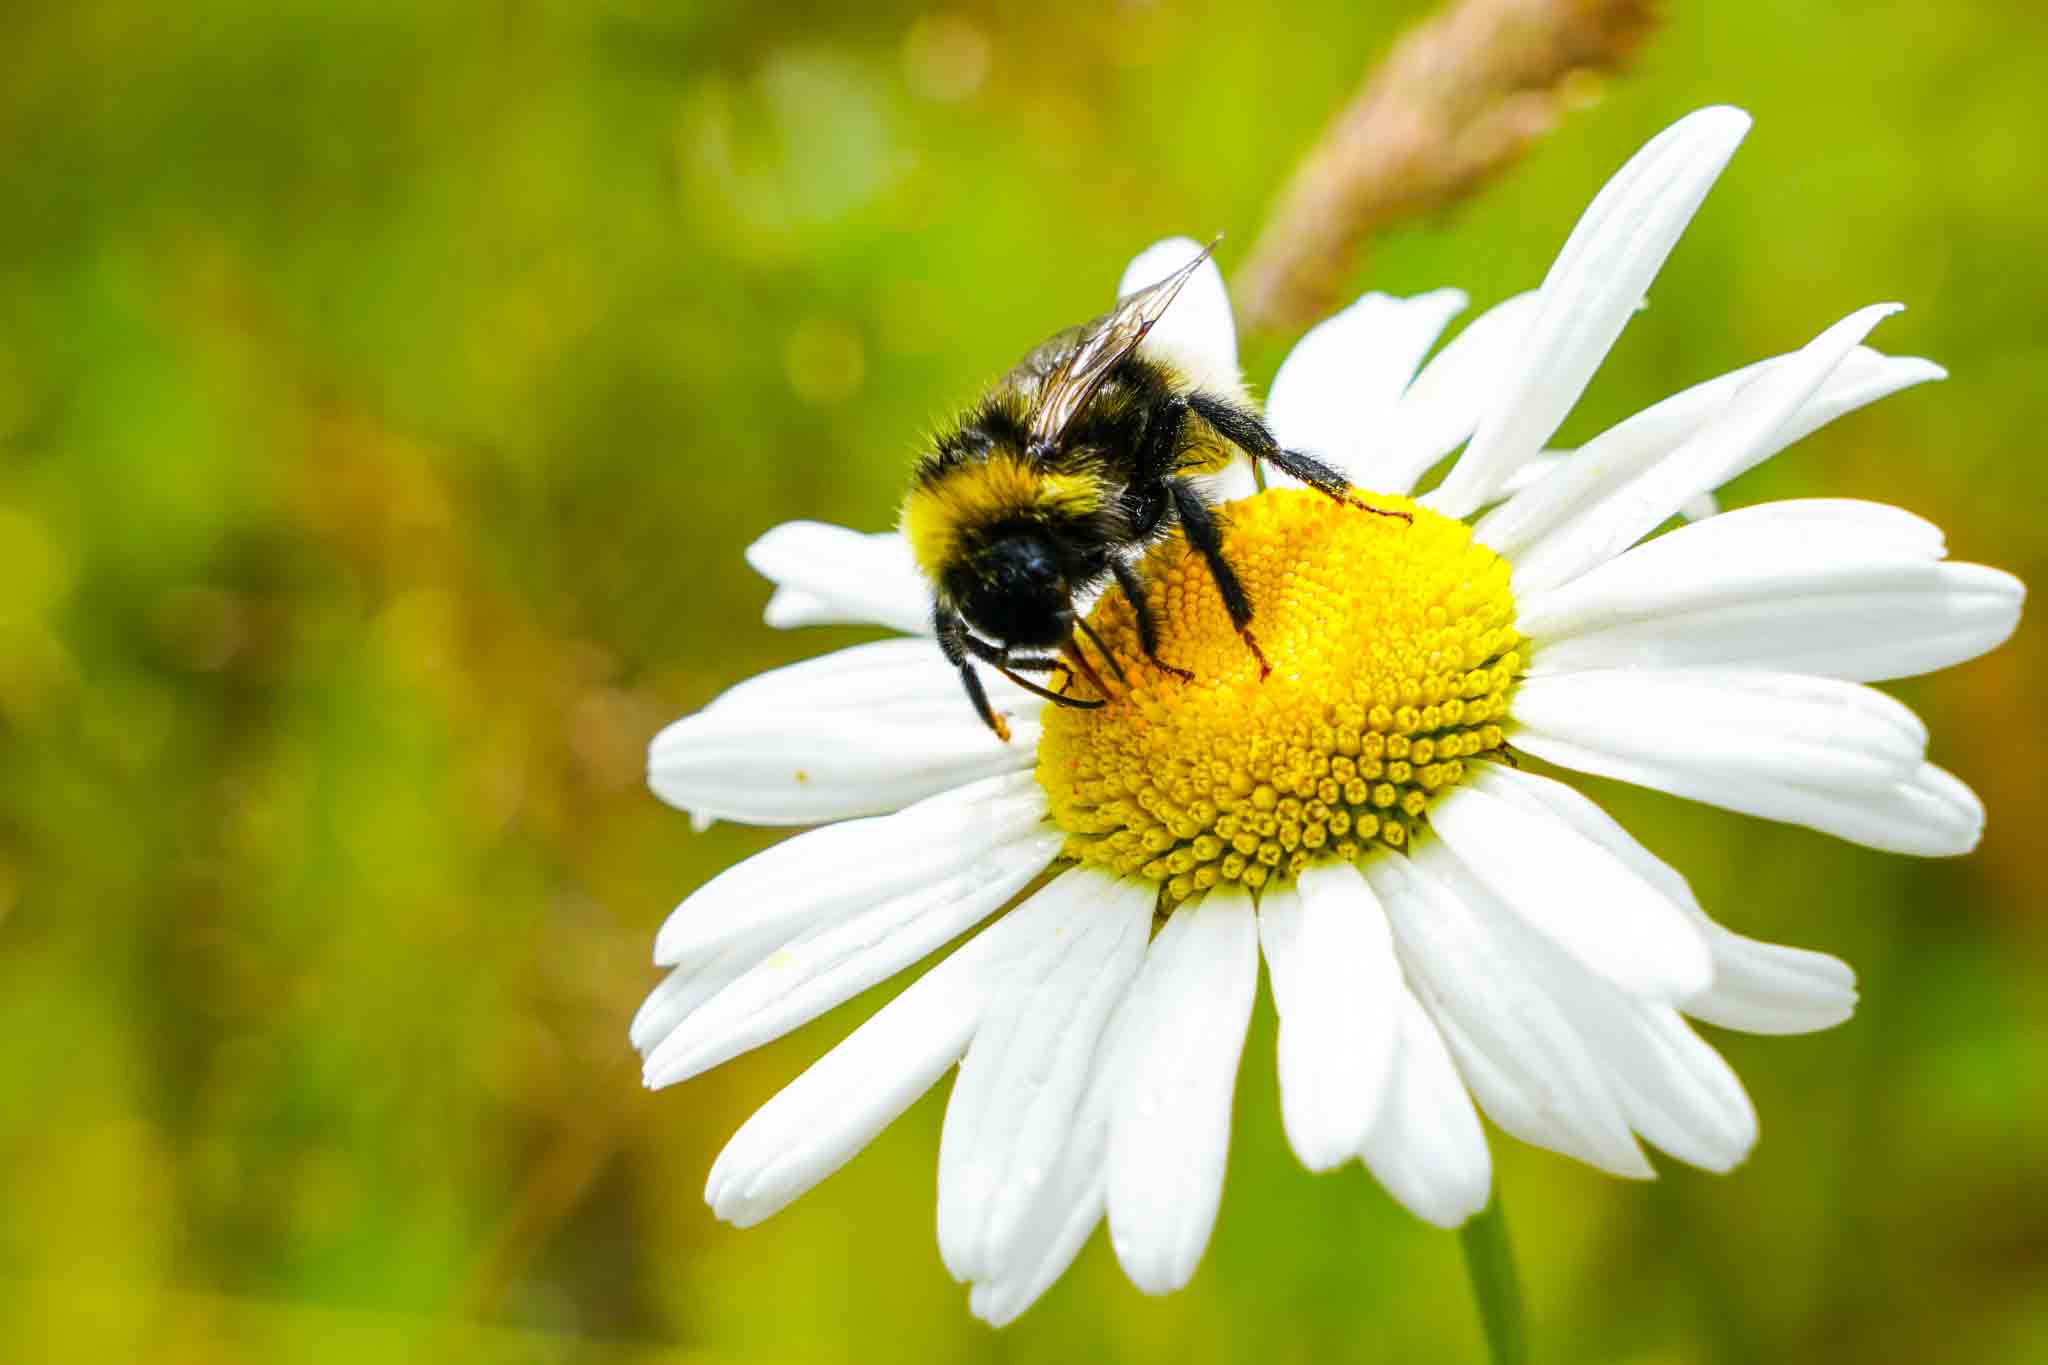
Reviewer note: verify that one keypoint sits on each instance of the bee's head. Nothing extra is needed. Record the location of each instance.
(1006, 542)
(1011, 589)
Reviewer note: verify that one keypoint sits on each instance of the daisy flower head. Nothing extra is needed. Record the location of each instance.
(1446, 932)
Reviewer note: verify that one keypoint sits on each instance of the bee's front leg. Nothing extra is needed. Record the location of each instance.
(954, 640)
(999, 658)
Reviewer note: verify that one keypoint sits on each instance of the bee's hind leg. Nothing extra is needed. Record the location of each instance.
(1244, 430)
(1148, 625)
(1199, 524)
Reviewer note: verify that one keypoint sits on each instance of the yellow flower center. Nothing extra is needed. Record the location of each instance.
(1392, 646)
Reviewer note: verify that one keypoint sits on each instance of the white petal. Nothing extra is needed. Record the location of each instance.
(1058, 1225)
(1427, 1148)
(890, 678)
(1863, 378)
(1608, 462)
(1196, 334)
(1770, 988)
(820, 1120)
(830, 575)
(1872, 527)
(1617, 456)
(789, 608)
(1536, 469)
(1441, 409)
(824, 876)
(1669, 1086)
(685, 989)
(1524, 1062)
(1336, 985)
(1678, 1092)
(1072, 1201)
(1576, 894)
(1235, 480)
(1552, 464)
(1925, 812)
(1861, 621)
(1336, 391)
(1075, 1197)
(1170, 1137)
(1013, 1107)
(1674, 1089)
(860, 732)
(1816, 732)
(832, 962)
(1596, 284)
(1767, 545)
(1742, 435)
(1758, 987)
(1699, 507)
(1826, 596)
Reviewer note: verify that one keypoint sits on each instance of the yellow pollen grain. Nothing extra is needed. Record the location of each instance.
(1393, 650)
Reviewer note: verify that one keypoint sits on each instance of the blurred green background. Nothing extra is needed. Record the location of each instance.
(386, 395)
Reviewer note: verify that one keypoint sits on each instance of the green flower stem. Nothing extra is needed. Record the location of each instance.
(1490, 1261)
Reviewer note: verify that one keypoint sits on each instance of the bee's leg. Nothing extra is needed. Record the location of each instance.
(1148, 628)
(1081, 624)
(1160, 450)
(1199, 524)
(1244, 430)
(999, 659)
(1079, 663)
(1033, 663)
(1042, 663)
(954, 640)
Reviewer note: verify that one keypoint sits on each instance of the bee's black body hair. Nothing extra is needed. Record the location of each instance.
(1137, 441)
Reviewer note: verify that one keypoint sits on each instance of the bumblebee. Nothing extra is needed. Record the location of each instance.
(1055, 481)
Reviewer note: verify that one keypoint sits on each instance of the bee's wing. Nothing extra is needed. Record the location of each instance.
(1093, 351)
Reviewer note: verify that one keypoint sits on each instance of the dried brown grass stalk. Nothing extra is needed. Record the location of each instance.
(1457, 100)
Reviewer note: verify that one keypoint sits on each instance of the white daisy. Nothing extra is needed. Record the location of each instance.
(1439, 926)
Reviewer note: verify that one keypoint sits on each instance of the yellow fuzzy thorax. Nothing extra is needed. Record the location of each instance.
(942, 510)
(1393, 649)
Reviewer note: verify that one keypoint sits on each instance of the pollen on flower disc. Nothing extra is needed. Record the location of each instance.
(1393, 649)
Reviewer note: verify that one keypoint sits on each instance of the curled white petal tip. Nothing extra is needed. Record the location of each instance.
(834, 575)
(788, 608)
(1768, 988)
(1954, 813)
(1918, 370)
(1725, 120)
